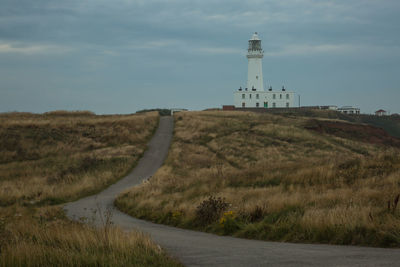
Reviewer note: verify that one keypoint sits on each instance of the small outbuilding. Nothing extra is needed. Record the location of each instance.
(381, 112)
(228, 107)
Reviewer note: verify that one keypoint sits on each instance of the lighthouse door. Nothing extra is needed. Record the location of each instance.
(265, 104)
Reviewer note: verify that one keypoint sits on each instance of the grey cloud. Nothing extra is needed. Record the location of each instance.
(193, 47)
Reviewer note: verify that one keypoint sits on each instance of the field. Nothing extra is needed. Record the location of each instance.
(284, 177)
(49, 159)
(54, 158)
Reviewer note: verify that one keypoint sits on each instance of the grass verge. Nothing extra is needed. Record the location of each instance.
(44, 237)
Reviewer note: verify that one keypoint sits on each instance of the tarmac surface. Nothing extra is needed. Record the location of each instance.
(202, 249)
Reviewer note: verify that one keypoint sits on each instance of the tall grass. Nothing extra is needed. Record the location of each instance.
(45, 238)
(282, 181)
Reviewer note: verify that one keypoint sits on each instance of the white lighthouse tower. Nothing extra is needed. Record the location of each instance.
(254, 56)
(253, 95)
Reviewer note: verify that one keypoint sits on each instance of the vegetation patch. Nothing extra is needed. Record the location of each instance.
(336, 183)
(358, 132)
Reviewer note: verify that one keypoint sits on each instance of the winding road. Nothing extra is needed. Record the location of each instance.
(201, 249)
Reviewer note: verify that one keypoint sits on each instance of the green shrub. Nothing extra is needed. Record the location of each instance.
(229, 223)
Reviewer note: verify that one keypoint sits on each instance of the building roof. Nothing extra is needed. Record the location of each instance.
(381, 110)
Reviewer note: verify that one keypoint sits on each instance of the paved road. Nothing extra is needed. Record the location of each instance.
(202, 249)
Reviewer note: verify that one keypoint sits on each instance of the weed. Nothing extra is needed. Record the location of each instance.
(256, 214)
(391, 206)
(229, 222)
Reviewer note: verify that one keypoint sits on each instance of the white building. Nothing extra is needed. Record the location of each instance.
(254, 95)
(381, 112)
(349, 110)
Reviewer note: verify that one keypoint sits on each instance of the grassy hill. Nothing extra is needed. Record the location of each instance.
(48, 159)
(309, 176)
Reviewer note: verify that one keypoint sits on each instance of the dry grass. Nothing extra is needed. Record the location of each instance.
(283, 182)
(43, 237)
(60, 156)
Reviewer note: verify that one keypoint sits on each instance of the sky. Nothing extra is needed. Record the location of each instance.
(121, 56)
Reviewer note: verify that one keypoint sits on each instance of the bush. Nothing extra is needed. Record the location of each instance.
(229, 223)
(210, 210)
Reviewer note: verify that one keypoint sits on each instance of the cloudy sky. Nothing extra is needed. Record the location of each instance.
(124, 55)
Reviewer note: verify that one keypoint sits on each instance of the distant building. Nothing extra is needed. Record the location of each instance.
(349, 110)
(331, 107)
(381, 112)
(254, 96)
(228, 107)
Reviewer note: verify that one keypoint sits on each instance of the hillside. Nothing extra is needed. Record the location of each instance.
(49, 159)
(284, 177)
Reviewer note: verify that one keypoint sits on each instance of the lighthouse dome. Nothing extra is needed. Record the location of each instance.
(255, 36)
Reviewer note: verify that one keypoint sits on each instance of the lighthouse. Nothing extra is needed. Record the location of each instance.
(254, 95)
(254, 71)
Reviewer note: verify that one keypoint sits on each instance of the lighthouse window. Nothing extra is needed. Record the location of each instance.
(257, 96)
(287, 105)
(274, 96)
(280, 96)
(274, 105)
(257, 104)
(287, 96)
(250, 96)
(243, 105)
(243, 96)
